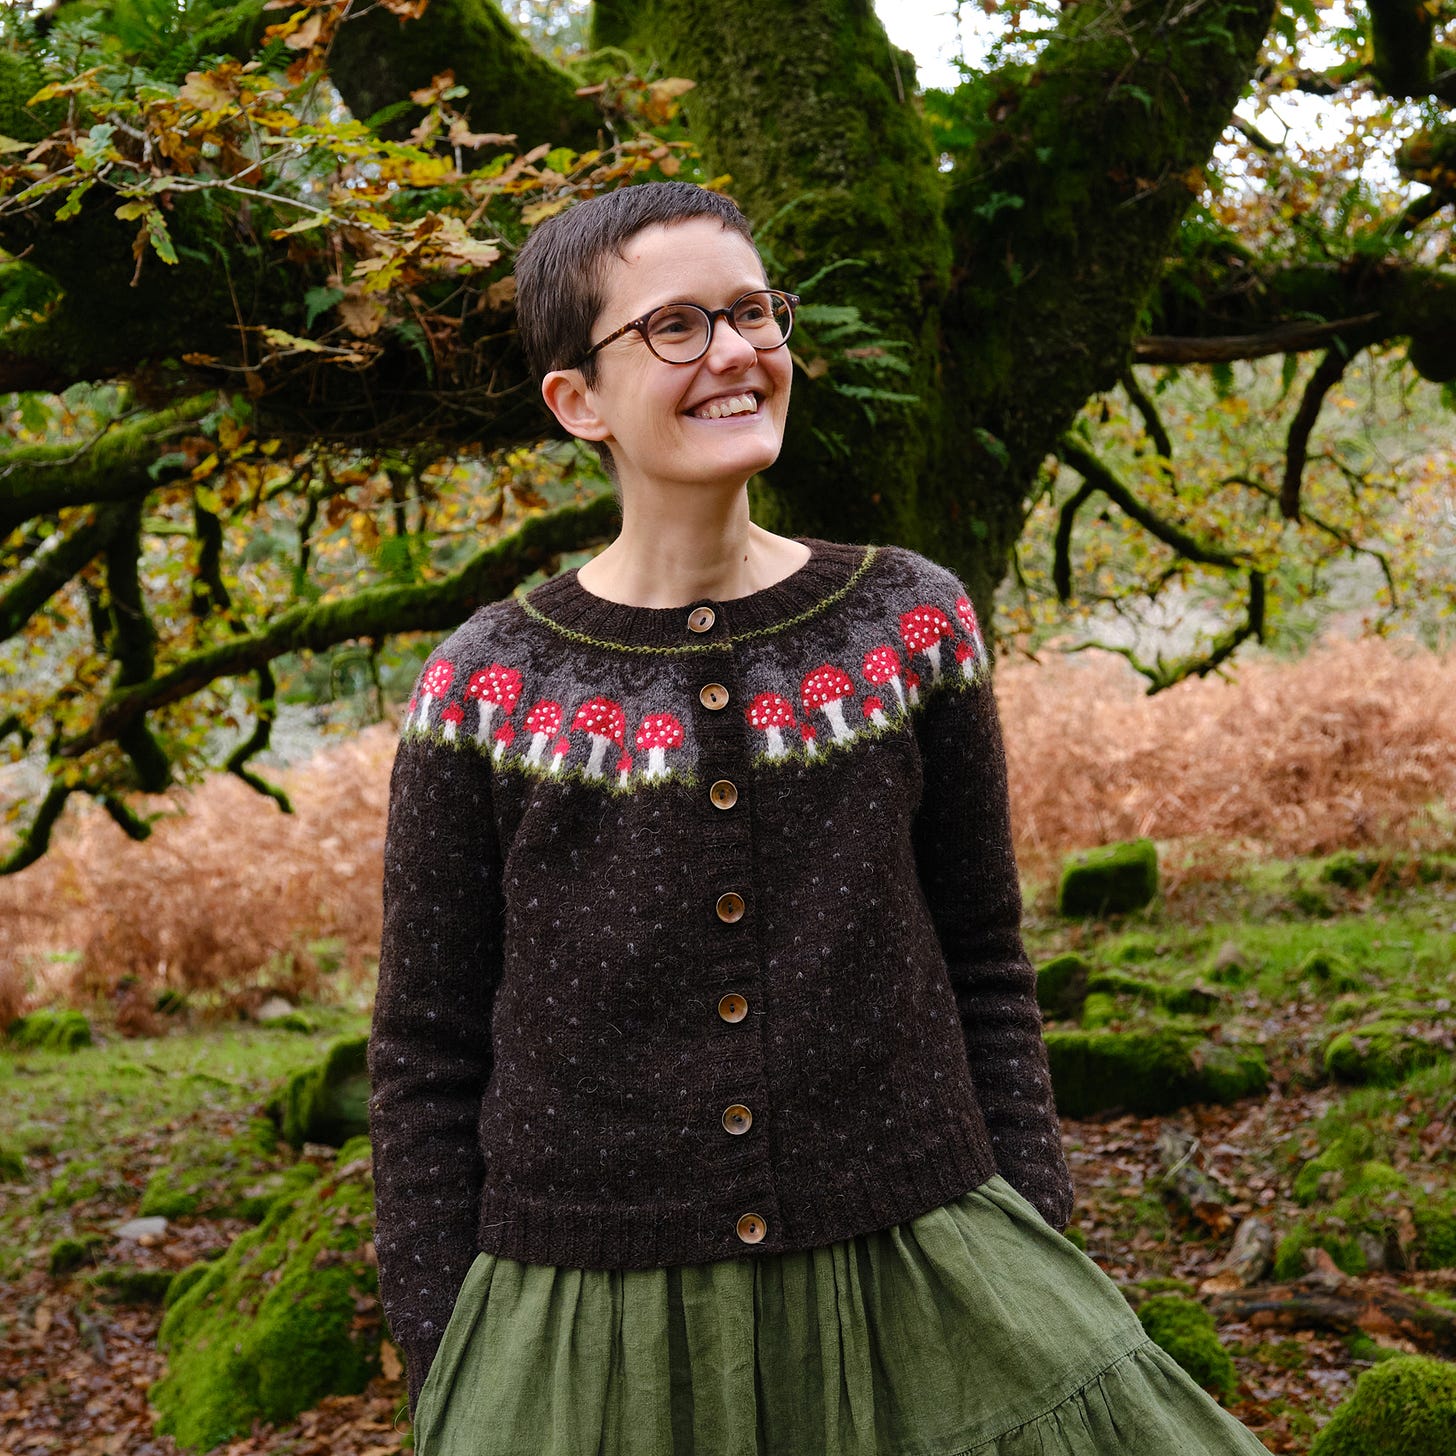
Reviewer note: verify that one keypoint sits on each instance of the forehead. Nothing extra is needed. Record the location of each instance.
(687, 260)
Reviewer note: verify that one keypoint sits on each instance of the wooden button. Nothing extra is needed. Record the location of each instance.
(730, 906)
(724, 794)
(737, 1118)
(732, 1007)
(701, 618)
(751, 1228)
(713, 695)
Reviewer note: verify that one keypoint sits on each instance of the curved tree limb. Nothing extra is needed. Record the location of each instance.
(489, 575)
(1151, 420)
(1326, 375)
(113, 466)
(1097, 474)
(257, 741)
(54, 565)
(1062, 545)
(1283, 339)
(1162, 673)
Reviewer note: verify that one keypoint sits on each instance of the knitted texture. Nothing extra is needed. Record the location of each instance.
(701, 934)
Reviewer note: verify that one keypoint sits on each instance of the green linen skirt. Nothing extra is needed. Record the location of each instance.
(974, 1328)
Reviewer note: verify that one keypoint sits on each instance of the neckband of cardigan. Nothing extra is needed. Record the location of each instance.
(565, 603)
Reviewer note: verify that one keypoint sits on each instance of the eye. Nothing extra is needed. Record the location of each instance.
(675, 323)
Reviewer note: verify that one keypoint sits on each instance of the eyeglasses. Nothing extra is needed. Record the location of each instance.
(679, 333)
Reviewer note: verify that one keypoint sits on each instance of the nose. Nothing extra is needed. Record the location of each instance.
(728, 349)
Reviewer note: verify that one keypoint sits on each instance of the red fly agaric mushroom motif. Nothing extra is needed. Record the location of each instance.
(967, 614)
(604, 722)
(541, 722)
(912, 686)
(874, 710)
(881, 666)
(493, 687)
(451, 719)
(435, 684)
(807, 733)
(409, 713)
(504, 736)
(921, 629)
(559, 750)
(624, 769)
(826, 688)
(658, 733)
(772, 713)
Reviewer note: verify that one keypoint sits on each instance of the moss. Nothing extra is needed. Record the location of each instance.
(1330, 970)
(12, 1166)
(183, 1280)
(327, 1103)
(133, 1286)
(1110, 880)
(1186, 1331)
(67, 1255)
(77, 1182)
(1402, 1407)
(1061, 985)
(1381, 1052)
(1074, 1235)
(1436, 1236)
(1148, 1071)
(1099, 1009)
(240, 1178)
(1230, 966)
(51, 1030)
(274, 1325)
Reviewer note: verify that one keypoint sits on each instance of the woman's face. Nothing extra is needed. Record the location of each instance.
(652, 411)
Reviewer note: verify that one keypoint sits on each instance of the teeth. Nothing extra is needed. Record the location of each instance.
(737, 404)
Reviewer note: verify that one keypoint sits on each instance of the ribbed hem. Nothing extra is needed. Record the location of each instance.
(649, 1236)
(563, 603)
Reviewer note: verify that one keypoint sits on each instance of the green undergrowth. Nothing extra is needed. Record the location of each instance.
(169, 1125)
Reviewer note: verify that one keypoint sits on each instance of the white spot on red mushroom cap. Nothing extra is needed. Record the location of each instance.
(881, 664)
(770, 710)
(826, 684)
(545, 717)
(967, 613)
(496, 684)
(438, 678)
(603, 717)
(659, 730)
(923, 625)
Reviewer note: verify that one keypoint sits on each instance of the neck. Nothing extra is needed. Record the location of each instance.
(663, 557)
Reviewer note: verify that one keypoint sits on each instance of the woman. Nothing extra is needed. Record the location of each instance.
(711, 1112)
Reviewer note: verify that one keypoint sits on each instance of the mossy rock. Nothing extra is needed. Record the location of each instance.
(1186, 1331)
(1230, 966)
(183, 1280)
(1149, 1071)
(328, 1103)
(68, 1255)
(240, 1178)
(1365, 1229)
(133, 1286)
(51, 1030)
(274, 1326)
(1329, 970)
(1061, 986)
(1194, 999)
(1401, 1407)
(1381, 1053)
(12, 1166)
(1110, 880)
(1099, 1009)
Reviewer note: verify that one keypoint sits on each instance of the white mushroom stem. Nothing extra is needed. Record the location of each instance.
(899, 691)
(538, 744)
(423, 720)
(877, 717)
(599, 750)
(933, 653)
(656, 762)
(487, 712)
(775, 741)
(556, 761)
(834, 711)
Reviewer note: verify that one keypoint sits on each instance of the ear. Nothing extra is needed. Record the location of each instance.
(568, 398)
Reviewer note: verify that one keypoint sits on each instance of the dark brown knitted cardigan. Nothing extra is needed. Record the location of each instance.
(701, 934)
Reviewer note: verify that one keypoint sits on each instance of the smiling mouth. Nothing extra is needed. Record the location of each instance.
(726, 406)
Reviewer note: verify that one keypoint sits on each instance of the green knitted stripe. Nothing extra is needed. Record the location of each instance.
(571, 633)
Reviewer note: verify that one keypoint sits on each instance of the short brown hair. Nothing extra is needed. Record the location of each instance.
(562, 265)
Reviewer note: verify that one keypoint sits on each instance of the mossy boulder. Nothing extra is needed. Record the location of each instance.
(328, 1103)
(1105, 989)
(68, 1255)
(12, 1166)
(51, 1030)
(1187, 1332)
(1382, 1052)
(131, 1286)
(1329, 970)
(238, 1178)
(1061, 986)
(1402, 1407)
(281, 1320)
(1148, 1071)
(1110, 880)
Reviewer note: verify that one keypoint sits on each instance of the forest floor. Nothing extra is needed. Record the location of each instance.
(109, 1126)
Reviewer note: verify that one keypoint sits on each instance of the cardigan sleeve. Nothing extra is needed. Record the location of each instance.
(967, 870)
(430, 1039)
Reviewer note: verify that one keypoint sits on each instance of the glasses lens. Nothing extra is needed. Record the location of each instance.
(678, 332)
(764, 319)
